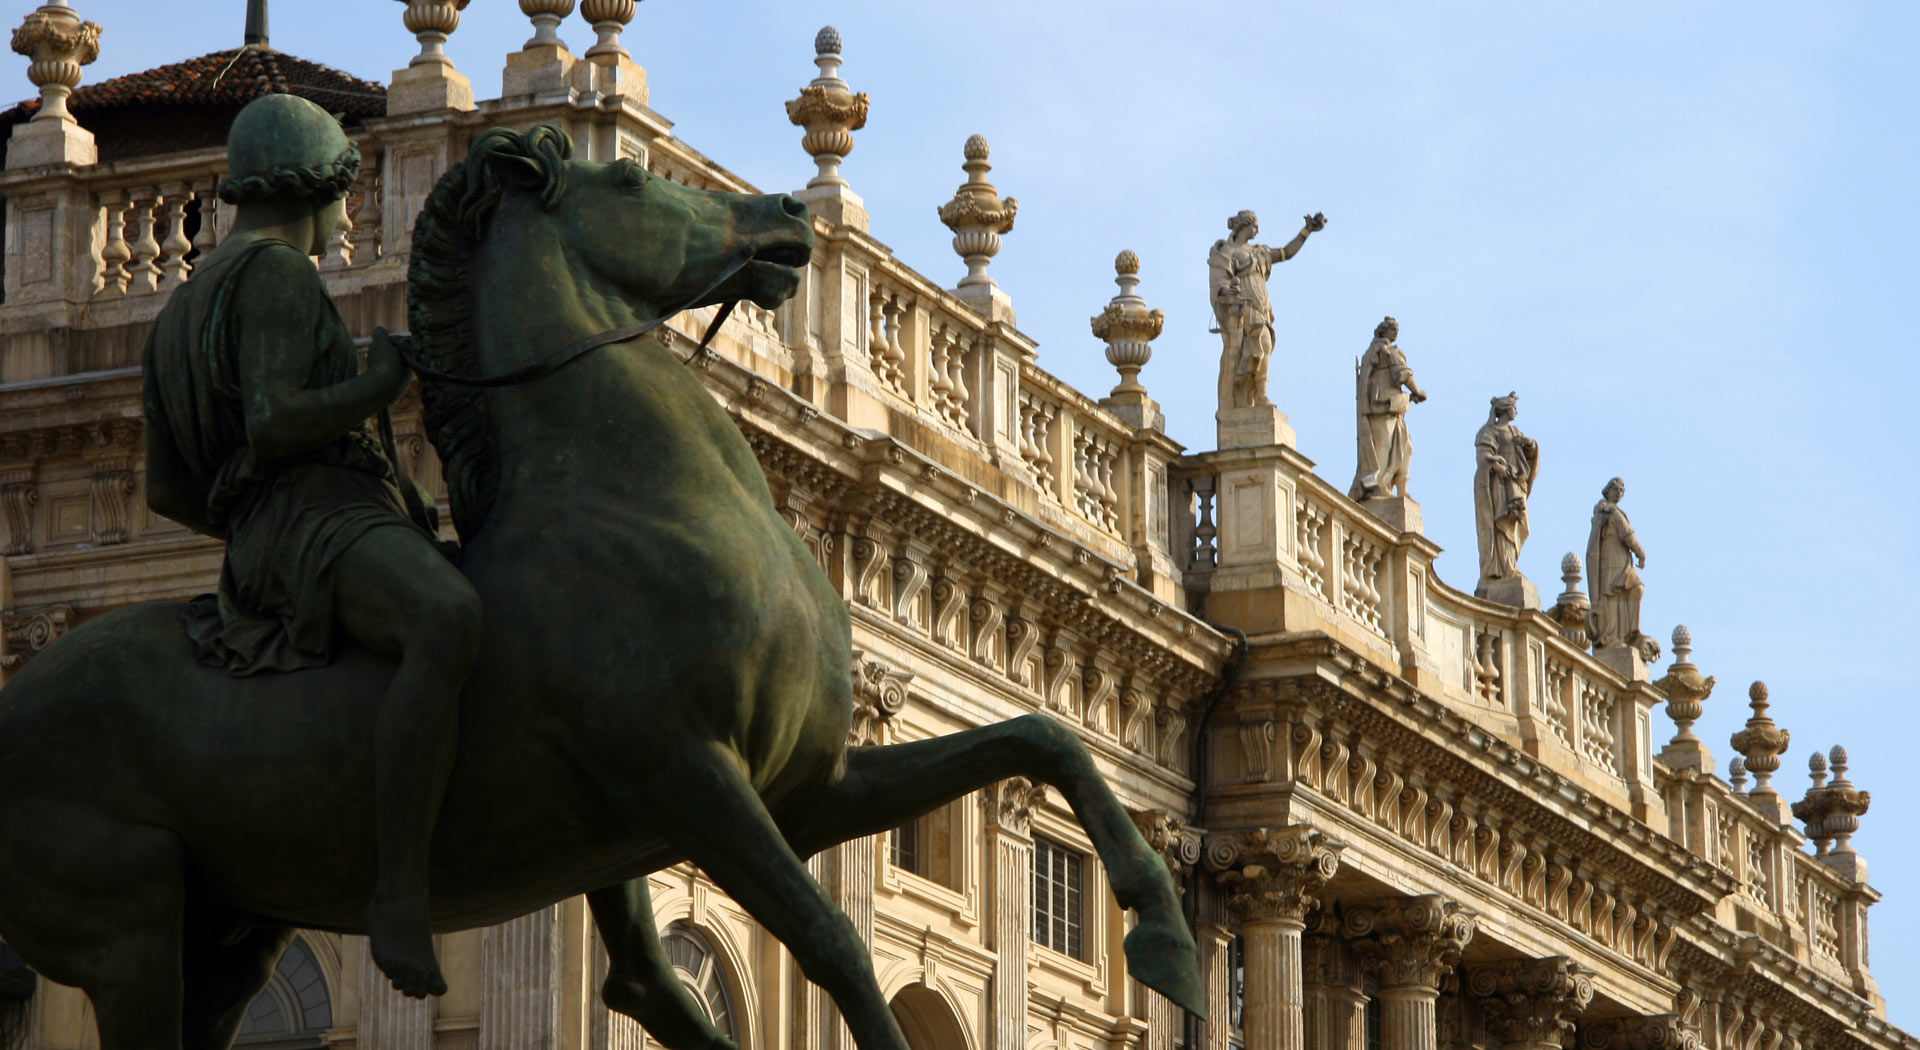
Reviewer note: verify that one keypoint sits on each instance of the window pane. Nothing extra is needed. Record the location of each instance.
(1057, 891)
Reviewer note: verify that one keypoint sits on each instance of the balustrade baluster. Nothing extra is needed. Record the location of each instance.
(115, 253)
(146, 272)
(937, 382)
(896, 358)
(175, 248)
(877, 335)
(957, 382)
(207, 235)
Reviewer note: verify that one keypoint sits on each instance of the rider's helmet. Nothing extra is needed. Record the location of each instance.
(282, 147)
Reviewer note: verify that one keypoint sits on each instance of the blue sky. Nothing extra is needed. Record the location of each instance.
(1680, 231)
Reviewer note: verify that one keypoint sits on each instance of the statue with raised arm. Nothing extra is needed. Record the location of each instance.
(1505, 464)
(1613, 585)
(1385, 389)
(256, 434)
(1237, 273)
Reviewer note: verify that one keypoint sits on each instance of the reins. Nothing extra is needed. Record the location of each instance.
(579, 348)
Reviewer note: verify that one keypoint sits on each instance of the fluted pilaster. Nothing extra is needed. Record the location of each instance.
(520, 961)
(1272, 878)
(1009, 812)
(1336, 999)
(389, 1020)
(1531, 1004)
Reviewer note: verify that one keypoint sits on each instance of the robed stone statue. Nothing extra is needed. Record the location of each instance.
(1506, 463)
(1613, 585)
(1385, 389)
(1237, 273)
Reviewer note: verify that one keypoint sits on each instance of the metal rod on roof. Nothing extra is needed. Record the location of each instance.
(257, 23)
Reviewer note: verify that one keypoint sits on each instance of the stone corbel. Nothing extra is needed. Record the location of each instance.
(1532, 1002)
(1171, 719)
(879, 692)
(1177, 842)
(1409, 942)
(1273, 874)
(18, 494)
(113, 483)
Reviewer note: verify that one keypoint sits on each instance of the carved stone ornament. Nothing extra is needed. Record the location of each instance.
(1686, 688)
(1011, 802)
(1532, 1001)
(1832, 811)
(1571, 609)
(1409, 942)
(1127, 326)
(1659, 1032)
(58, 43)
(1762, 742)
(830, 111)
(1273, 874)
(1172, 837)
(977, 215)
(28, 631)
(879, 692)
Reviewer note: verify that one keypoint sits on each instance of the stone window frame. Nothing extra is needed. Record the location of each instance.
(1101, 921)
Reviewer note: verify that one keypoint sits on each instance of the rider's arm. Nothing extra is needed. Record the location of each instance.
(276, 333)
(172, 489)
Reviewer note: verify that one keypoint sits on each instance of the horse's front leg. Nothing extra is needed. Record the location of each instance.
(640, 979)
(884, 787)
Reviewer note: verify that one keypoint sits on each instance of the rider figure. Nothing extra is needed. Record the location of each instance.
(256, 434)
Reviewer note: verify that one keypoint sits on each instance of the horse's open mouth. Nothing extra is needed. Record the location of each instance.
(791, 255)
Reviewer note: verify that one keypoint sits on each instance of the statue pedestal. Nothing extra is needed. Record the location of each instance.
(1253, 427)
(428, 87)
(1399, 512)
(1624, 659)
(41, 142)
(1515, 590)
(1687, 754)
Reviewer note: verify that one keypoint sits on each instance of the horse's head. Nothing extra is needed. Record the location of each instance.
(528, 212)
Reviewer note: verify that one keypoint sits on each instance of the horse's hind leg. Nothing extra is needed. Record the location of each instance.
(640, 981)
(221, 978)
(718, 821)
(884, 787)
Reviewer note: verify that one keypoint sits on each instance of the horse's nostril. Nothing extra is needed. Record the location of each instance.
(795, 208)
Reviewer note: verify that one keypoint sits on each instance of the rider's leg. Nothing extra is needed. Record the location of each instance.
(397, 595)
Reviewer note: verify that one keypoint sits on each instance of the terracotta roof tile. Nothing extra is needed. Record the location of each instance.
(224, 78)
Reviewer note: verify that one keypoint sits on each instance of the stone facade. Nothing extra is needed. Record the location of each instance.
(1400, 813)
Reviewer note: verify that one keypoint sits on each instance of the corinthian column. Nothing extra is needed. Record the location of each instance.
(1411, 945)
(1009, 810)
(1272, 878)
(1531, 1004)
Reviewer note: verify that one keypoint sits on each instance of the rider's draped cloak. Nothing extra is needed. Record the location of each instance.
(287, 521)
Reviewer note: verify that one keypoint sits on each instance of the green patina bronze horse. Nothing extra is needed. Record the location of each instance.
(665, 676)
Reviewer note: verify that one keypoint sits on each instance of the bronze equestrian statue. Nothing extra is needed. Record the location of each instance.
(660, 671)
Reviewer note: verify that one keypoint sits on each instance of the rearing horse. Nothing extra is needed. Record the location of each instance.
(666, 672)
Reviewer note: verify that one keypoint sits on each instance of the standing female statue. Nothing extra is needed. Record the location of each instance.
(1385, 390)
(1237, 272)
(256, 410)
(1612, 584)
(1506, 461)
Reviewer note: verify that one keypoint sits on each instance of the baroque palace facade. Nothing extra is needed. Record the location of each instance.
(1405, 817)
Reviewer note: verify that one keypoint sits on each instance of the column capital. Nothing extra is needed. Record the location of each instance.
(1273, 874)
(1532, 1002)
(1659, 1032)
(1010, 805)
(879, 692)
(1177, 842)
(1409, 942)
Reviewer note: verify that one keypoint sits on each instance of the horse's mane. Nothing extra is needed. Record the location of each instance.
(440, 300)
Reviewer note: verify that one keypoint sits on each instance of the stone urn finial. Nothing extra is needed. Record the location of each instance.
(58, 43)
(1832, 811)
(977, 216)
(1737, 775)
(829, 110)
(546, 16)
(1686, 689)
(609, 19)
(1571, 608)
(1762, 743)
(431, 22)
(1128, 327)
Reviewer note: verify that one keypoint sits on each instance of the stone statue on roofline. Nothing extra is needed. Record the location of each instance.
(1506, 463)
(1384, 390)
(1614, 585)
(1237, 273)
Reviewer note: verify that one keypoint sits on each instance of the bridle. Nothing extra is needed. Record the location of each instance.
(579, 348)
(417, 507)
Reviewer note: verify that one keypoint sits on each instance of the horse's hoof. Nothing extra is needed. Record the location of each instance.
(402, 946)
(1162, 956)
(673, 1022)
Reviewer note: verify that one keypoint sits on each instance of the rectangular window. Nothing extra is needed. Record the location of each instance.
(903, 848)
(1058, 878)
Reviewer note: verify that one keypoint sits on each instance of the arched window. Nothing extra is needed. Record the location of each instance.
(293, 1009)
(699, 966)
